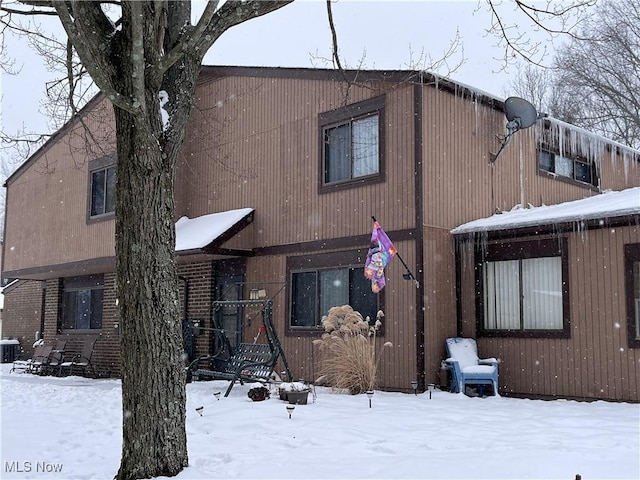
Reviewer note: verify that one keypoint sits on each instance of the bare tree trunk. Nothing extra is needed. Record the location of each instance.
(153, 380)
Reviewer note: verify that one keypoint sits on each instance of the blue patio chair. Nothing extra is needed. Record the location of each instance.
(467, 368)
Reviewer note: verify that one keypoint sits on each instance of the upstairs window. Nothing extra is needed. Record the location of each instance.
(351, 144)
(575, 169)
(82, 299)
(102, 188)
(351, 150)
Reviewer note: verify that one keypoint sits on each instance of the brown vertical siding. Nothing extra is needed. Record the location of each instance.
(396, 364)
(267, 157)
(253, 141)
(439, 298)
(275, 122)
(595, 362)
(460, 180)
(46, 215)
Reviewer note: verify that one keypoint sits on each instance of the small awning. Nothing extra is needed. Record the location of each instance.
(207, 233)
(602, 208)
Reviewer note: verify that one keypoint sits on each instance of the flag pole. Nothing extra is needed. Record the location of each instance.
(409, 275)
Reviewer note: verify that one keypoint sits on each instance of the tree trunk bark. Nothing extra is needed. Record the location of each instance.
(153, 378)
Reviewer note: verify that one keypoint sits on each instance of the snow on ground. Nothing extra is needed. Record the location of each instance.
(69, 428)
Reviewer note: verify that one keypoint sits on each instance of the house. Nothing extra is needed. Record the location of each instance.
(278, 178)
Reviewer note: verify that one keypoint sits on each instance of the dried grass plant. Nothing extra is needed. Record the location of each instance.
(348, 349)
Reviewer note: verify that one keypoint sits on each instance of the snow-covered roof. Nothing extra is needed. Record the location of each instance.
(606, 205)
(197, 233)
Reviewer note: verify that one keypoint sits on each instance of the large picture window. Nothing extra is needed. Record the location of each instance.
(523, 289)
(82, 299)
(632, 287)
(351, 143)
(316, 288)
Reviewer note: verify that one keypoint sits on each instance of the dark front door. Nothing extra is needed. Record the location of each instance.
(229, 318)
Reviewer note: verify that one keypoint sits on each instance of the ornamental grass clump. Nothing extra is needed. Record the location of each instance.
(348, 350)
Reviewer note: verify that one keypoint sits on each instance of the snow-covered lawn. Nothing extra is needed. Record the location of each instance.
(69, 428)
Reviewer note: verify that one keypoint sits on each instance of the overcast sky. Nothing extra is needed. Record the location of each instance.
(375, 34)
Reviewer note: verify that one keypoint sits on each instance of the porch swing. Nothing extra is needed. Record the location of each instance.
(246, 362)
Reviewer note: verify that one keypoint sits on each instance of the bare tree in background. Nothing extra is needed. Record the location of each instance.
(532, 83)
(595, 79)
(138, 52)
(538, 85)
(598, 79)
(520, 40)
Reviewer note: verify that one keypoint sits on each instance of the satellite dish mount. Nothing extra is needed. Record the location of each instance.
(520, 115)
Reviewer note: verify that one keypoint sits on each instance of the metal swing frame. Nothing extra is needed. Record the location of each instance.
(250, 362)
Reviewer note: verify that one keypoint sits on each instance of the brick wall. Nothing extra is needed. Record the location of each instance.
(106, 351)
(107, 348)
(22, 316)
(199, 279)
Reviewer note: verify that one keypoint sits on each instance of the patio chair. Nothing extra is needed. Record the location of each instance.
(51, 365)
(78, 362)
(467, 368)
(38, 360)
(24, 365)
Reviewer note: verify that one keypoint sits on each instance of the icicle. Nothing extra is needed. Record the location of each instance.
(575, 141)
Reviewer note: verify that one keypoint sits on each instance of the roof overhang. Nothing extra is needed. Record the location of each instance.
(208, 234)
(599, 211)
(197, 239)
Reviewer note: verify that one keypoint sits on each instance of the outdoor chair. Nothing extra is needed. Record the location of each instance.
(467, 368)
(39, 360)
(78, 362)
(25, 365)
(51, 365)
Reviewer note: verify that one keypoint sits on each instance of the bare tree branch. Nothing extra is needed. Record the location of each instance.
(595, 78)
(557, 17)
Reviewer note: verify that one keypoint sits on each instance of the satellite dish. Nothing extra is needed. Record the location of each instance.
(520, 114)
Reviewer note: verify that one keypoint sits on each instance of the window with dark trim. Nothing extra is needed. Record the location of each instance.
(522, 289)
(632, 292)
(323, 281)
(81, 305)
(102, 188)
(351, 144)
(574, 169)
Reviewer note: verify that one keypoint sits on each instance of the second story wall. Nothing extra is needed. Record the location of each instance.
(47, 198)
(255, 142)
(463, 183)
